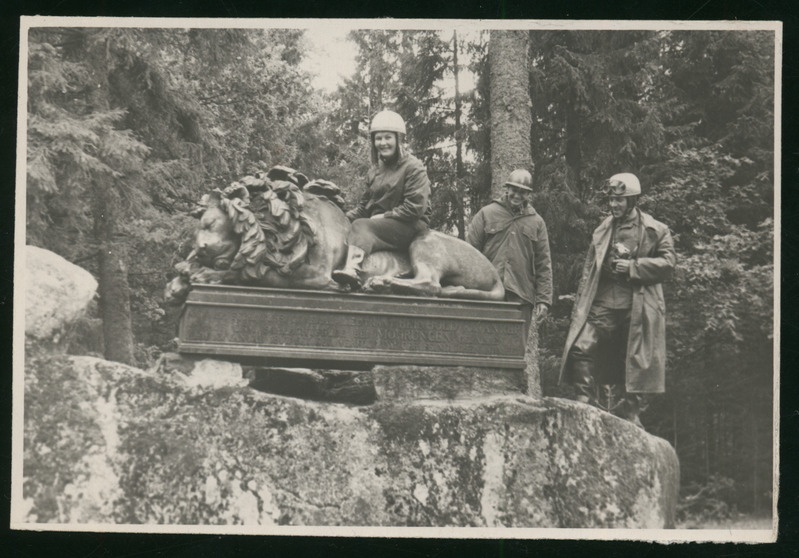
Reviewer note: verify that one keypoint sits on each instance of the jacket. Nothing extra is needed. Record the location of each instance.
(518, 247)
(400, 190)
(645, 370)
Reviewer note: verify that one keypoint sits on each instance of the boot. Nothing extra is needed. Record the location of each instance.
(632, 410)
(583, 379)
(349, 275)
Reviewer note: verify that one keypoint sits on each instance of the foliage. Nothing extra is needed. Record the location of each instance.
(190, 109)
(403, 71)
(691, 114)
(709, 502)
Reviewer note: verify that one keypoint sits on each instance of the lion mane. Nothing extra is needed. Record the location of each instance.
(274, 233)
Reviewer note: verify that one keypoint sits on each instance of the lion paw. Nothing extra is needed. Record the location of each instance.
(377, 285)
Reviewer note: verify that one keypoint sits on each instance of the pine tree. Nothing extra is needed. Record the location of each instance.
(74, 146)
(510, 105)
(177, 112)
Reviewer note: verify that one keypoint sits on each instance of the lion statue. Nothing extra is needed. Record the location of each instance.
(280, 230)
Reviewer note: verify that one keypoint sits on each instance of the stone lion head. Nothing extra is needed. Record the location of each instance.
(216, 242)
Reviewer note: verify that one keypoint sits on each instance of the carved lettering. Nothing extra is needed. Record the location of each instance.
(278, 329)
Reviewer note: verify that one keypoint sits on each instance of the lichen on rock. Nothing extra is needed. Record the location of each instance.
(144, 447)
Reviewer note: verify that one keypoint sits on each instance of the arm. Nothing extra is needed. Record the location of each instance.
(359, 211)
(415, 197)
(543, 268)
(476, 232)
(657, 268)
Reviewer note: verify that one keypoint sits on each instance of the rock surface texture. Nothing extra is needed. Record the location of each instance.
(195, 444)
(107, 443)
(57, 292)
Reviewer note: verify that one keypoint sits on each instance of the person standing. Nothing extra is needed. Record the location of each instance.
(395, 206)
(617, 335)
(510, 233)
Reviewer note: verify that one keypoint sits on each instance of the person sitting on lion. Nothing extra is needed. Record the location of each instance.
(395, 207)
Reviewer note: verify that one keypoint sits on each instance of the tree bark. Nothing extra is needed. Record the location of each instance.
(573, 151)
(511, 109)
(113, 285)
(459, 172)
(511, 120)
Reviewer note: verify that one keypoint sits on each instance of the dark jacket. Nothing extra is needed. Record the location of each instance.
(400, 190)
(518, 246)
(646, 344)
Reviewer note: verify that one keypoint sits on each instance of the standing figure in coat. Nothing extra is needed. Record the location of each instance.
(395, 206)
(514, 237)
(617, 336)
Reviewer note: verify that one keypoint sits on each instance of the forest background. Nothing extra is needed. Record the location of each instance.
(127, 128)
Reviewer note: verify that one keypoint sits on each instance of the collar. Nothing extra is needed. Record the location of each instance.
(526, 210)
(646, 220)
(631, 218)
(401, 158)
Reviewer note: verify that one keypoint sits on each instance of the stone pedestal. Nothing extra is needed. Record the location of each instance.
(188, 444)
(316, 329)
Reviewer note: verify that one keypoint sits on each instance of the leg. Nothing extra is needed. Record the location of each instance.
(626, 405)
(424, 282)
(349, 275)
(368, 235)
(634, 404)
(582, 361)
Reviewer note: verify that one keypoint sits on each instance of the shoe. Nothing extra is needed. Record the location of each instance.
(633, 418)
(633, 405)
(349, 275)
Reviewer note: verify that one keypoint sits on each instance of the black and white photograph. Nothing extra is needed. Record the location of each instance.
(398, 278)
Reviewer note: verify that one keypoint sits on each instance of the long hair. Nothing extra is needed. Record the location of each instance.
(400, 150)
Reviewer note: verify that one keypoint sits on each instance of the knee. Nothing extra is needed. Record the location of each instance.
(586, 344)
(361, 235)
(359, 227)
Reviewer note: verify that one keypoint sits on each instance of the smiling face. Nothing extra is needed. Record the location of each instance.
(386, 144)
(618, 206)
(517, 196)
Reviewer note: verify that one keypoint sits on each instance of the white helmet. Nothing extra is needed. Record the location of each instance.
(623, 184)
(520, 178)
(387, 121)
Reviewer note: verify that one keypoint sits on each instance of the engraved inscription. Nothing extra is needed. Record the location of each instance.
(339, 330)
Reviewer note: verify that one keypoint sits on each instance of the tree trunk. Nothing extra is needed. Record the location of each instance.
(458, 141)
(573, 152)
(113, 285)
(511, 116)
(511, 119)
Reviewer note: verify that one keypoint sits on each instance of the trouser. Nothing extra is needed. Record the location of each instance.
(598, 360)
(371, 235)
(527, 311)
